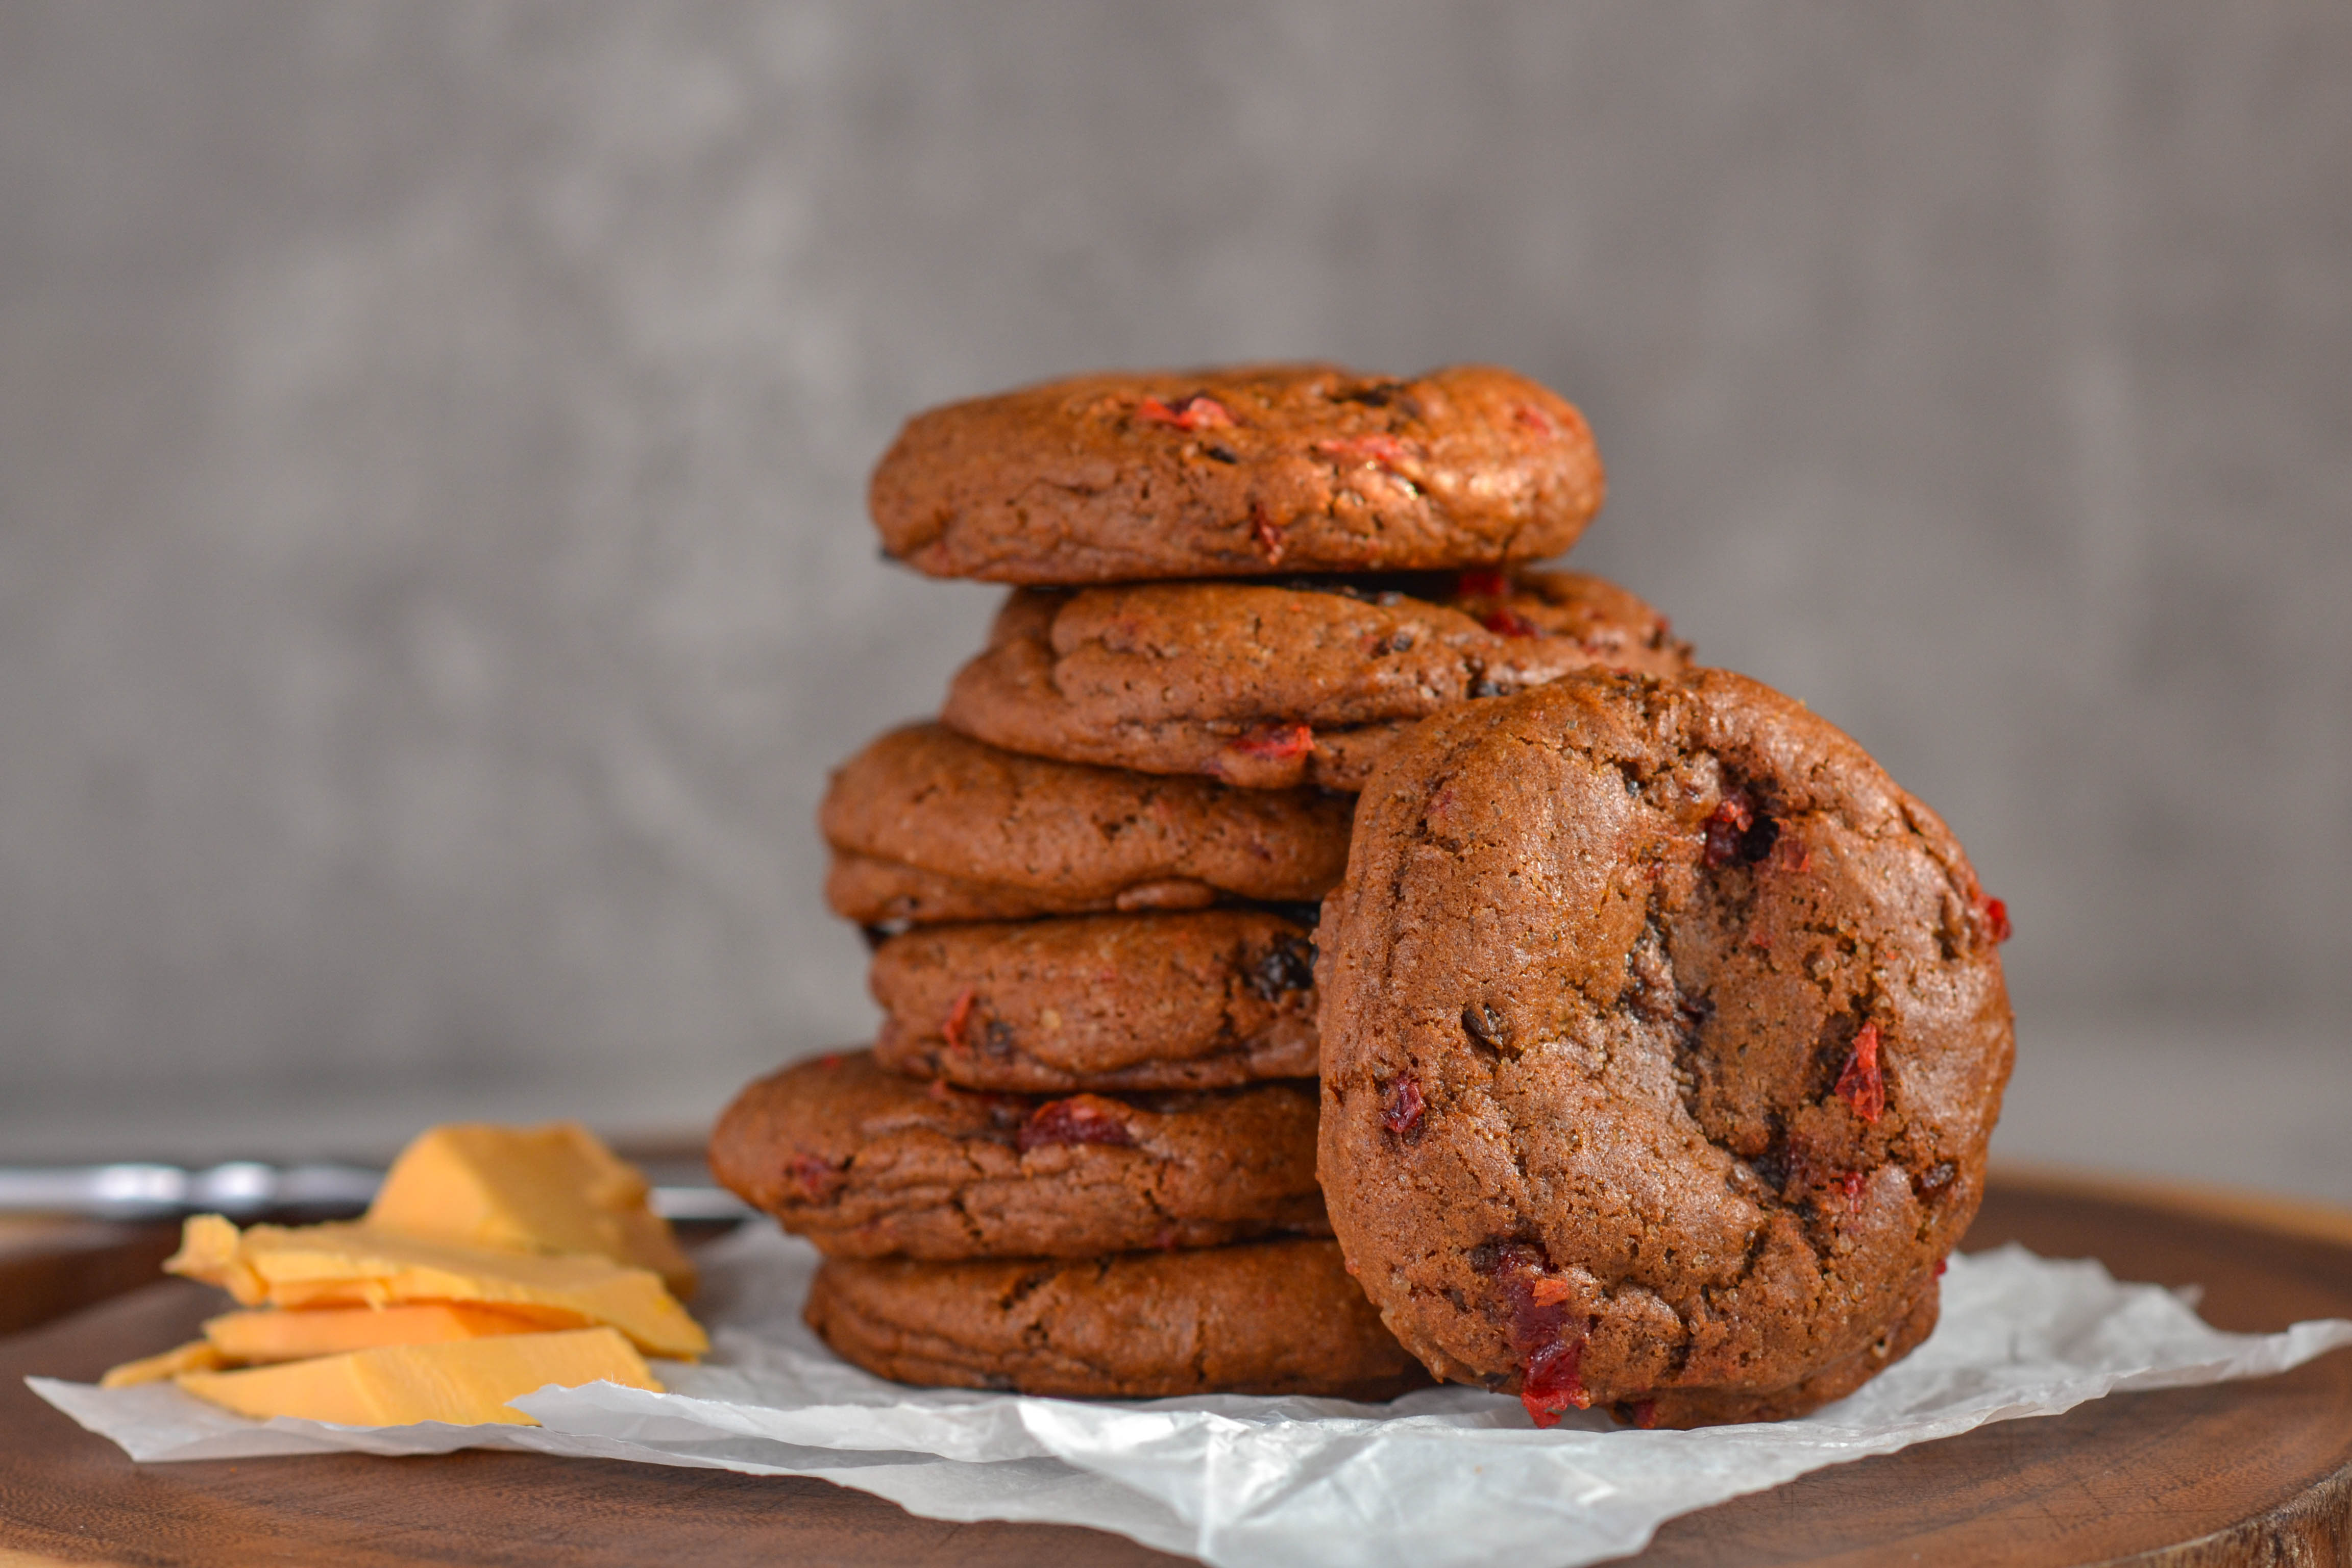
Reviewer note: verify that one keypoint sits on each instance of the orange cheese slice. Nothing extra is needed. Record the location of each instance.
(357, 1265)
(268, 1335)
(533, 1189)
(466, 1382)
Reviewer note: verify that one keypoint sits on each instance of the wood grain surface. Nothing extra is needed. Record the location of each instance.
(2245, 1473)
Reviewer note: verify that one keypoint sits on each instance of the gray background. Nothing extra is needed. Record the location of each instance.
(434, 582)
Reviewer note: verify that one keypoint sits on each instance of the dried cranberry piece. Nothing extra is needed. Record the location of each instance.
(1850, 1184)
(1482, 583)
(1993, 915)
(1506, 623)
(1268, 537)
(1081, 1119)
(1539, 1329)
(1726, 828)
(1535, 419)
(1198, 412)
(1861, 1085)
(1277, 742)
(959, 1019)
(1642, 1412)
(1550, 1386)
(1402, 1105)
(1942, 1264)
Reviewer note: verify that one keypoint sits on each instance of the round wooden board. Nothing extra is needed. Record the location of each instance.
(2244, 1473)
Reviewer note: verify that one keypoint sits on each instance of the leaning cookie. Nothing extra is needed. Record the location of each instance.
(865, 1164)
(929, 825)
(1203, 1000)
(1272, 1317)
(1266, 686)
(1662, 1037)
(1241, 471)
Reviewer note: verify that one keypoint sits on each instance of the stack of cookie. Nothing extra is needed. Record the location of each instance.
(1080, 1157)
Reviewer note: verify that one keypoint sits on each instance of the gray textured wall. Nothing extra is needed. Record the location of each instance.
(433, 580)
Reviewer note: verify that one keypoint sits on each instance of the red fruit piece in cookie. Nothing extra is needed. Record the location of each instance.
(1861, 1084)
(1081, 1119)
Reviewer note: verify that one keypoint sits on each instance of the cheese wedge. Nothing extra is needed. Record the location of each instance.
(356, 1265)
(268, 1335)
(463, 1382)
(197, 1355)
(535, 1189)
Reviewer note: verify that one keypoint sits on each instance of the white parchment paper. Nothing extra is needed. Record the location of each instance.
(1440, 1476)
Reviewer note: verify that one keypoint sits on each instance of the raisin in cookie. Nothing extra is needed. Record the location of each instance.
(1270, 1317)
(867, 1163)
(1238, 472)
(1201, 1000)
(1268, 685)
(1662, 1037)
(929, 825)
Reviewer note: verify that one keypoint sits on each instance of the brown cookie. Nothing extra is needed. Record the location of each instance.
(1204, 1000)
(1662, 1037)
(928, 826)
(1238, 472)
(1268, 685)
(1270, 1317)
(867, 1163)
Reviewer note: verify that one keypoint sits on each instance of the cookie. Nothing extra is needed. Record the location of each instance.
(867, 1165)
(1272, 1317)
(1268, 685)
(1201, 1000)
(929, 825)
(1238, 472)
(1662, 1037)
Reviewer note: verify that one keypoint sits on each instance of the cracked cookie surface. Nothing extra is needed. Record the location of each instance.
(1239, 472)
(865, 1164)
(1271, 685)
(1272, 1317)
(1201, 1000)
(929, 825)
(1662, 1037)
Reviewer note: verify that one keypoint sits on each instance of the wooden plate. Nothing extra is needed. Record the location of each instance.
(2258, 1472)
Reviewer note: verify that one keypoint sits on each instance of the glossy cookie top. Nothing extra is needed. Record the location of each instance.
(929, 825)
(1238, 471)
(1303, 679)
(1662, 1037)
(867, 1165)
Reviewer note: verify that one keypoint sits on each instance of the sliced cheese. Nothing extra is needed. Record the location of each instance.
(357, 1265)
(555, 1188)
(268, 1335)
(463, 1382)
(197, 1355)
